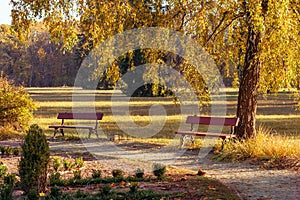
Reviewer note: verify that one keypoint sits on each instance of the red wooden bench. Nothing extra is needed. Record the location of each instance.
(78, 116)
(215, 121)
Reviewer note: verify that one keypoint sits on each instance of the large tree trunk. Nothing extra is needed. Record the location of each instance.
(248, 91)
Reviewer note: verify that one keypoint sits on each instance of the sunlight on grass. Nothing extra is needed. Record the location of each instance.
(264, 146)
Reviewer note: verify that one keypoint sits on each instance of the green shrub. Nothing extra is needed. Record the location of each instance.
(117, 173)
(6, 190)
(3, 170)
(55, 178)
(79, 162)
(159, 170)
(139, 173)
(2, 150)
(96, 173)
(16, 151)
(8, 151)
(15, 105)
(33, 195)
(34, 161)
(77, 174)
(68, 165)
(56, 163)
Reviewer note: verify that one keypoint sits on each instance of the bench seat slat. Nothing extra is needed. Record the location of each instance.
(220, 135)
(87, 116)
(228, 121)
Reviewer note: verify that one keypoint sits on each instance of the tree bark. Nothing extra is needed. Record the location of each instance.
(248, 91)
(249, 85)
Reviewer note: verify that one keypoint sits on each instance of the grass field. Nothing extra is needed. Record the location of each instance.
(275, 111)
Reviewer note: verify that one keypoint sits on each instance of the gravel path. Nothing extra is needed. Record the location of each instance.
(250, 181)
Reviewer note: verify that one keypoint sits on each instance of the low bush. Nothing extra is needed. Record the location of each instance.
(264, 147)
(139, 173)
(57, 163)
(117, 173)
(159, 170)
(3, 170)
(79, 163)
(68, 165)
(96, 173)
(16, 105)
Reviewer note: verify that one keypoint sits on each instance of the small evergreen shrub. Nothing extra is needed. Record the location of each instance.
(34, 161)
(6, 189)
(8, 151)
(96, 173)
(55, 178)
(33, 195)
(77, 174)
(139, 173)
(3, 170)
(159, 170)
(16, 151)
(2, 150)
(57, 163)
(79, 163)
(133, 188)
(68, 165)
(117, 173)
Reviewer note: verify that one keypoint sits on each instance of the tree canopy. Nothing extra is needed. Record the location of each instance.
(256, 42)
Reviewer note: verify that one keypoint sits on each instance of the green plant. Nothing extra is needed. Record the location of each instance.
(56, 163)
(34, 161)
(139, 173)
(55, 191)
(55, 178)
(77, 174)
(96, 173)
(105, 190)
(68, 165)
(8, 151)
(159, 170)
(15, 105)
(16, 151)
(2, 150)
(79, 163)
(6, 189)
(3, 170)
(80, 194)
(117, 173)
(133, 188)
(33, 195)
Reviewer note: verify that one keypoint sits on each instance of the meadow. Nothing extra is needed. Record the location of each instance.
(276, 112)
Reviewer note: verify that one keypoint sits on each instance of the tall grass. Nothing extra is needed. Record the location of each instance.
(264, 147)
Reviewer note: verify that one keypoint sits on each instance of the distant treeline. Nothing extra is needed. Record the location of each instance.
(38, 61)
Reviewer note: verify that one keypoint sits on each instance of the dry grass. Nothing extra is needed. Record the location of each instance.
(265, 147)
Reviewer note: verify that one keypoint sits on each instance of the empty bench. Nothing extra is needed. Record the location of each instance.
(215, 121)
(77, 116)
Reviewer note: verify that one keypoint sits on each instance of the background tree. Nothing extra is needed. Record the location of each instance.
(16, 106)
(256, 41)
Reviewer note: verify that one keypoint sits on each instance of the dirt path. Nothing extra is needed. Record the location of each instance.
(250, 181)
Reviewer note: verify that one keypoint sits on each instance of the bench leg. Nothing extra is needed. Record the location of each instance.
(182, 141)
(55, 131)
(62, 132)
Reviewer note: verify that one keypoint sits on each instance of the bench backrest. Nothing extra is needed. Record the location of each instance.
(87, 116)
(227, 121)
